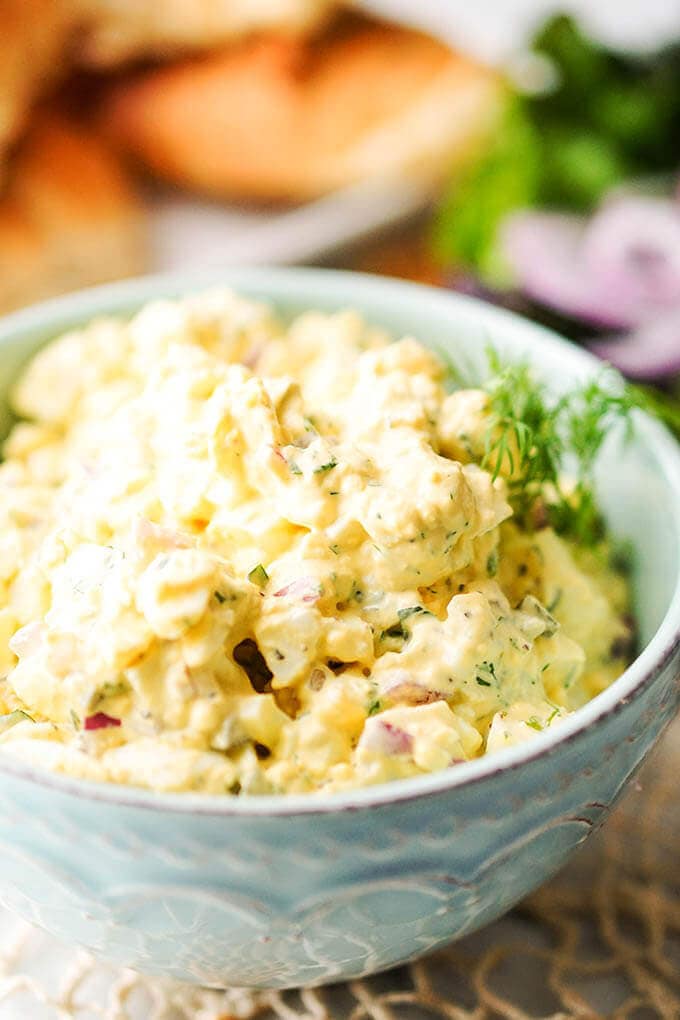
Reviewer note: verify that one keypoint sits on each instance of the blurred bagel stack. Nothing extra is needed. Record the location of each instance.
(258, 101)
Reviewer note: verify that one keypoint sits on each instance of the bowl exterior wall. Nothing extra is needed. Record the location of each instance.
(312, 898)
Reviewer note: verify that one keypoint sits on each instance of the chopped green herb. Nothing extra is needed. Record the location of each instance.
(109, 689)
(220, 597)
(573, 673)
(114, 688)
(374, 707)
(404, 614)
(294, 469)
(258, 576)
(326, 467)
(492, 563)
(335, 549)
(485, 674)
(534, 723)
(395, 631)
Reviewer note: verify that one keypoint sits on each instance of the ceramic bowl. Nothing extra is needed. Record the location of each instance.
(278, 892)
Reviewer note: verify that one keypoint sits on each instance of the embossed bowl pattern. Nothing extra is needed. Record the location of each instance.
(294, 891)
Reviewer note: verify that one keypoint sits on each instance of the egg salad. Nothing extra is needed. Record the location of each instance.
(243, 556)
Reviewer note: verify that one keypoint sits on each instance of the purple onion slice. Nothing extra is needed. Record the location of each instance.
(650, 352)
(544, 253)
(633, 246)
(617, 272)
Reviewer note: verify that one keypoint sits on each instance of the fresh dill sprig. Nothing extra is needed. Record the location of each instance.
(523, 439)
(590, 414)
(537, 441)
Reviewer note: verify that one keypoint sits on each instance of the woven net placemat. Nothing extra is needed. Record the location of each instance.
(601, 940)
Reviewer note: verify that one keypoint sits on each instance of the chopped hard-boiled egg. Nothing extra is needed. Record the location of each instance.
(243, 557)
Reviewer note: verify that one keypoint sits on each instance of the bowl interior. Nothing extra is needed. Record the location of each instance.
(638, 482)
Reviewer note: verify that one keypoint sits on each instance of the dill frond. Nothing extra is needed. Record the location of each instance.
(532, 436)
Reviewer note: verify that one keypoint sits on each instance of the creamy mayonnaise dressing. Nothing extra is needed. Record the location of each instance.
(239, 556)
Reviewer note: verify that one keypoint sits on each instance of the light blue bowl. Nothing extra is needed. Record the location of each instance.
(287, 891)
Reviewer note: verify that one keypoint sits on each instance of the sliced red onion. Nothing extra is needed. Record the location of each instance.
(307, 589)
(385, 738)
(100, 721)
(650, 352)
(633, 245)
(544, 252)
(615, 273)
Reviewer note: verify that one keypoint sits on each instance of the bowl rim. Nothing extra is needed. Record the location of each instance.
(121, 298)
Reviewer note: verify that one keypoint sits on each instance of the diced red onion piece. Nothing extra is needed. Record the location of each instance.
(650, 352)
(386, 738)
(100, 721)
(396, 740)
(304, 588)
(28, 639)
